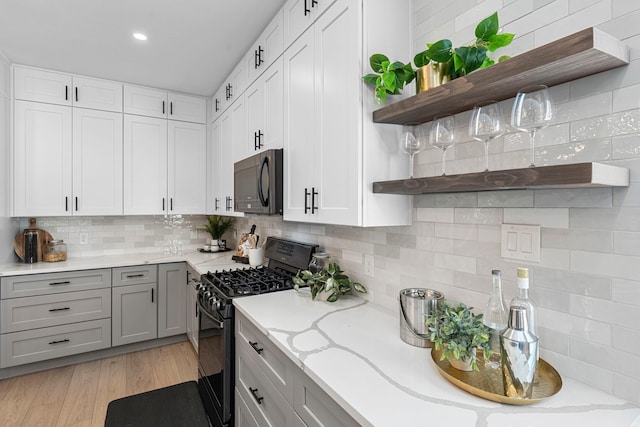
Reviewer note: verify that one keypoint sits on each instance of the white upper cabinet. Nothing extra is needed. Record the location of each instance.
(216, 104)
(333, 152)
(234, 86)
(264, 106)
(187, 167)
(266, 49)
(144, 101)
(97, 162)
(42, 159)
(145, 165)
(187, 108)
(32, 84)
(298, 15)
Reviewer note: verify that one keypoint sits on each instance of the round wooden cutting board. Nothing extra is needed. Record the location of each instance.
(43, 239)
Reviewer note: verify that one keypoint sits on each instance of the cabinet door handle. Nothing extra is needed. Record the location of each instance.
(255, 59)
(306, 8)
(152, 294)
(76, 93)
(59, 309)
(306, 198)
(59, 341)
(217, 105)
(314, 3)
(171, 204)
(66, 282)
(163, 204)
(66, 92)
(314, 193)
(66, 204)
(254, 392)
(171, 108)
(255, 347)
(162, 107)
(131, 276)
(260, 135)
(76, 204)
(230, 90)
(255, 141)
(259, 59)
(216, 205)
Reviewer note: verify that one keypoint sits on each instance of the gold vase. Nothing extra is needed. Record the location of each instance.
(430, 76)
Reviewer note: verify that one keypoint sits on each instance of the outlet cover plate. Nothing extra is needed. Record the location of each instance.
(521, 242)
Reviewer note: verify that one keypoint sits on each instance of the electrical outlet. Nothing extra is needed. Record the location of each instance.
(368, 265)
(84, 238)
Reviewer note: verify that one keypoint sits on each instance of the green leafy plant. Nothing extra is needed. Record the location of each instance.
(389, 77)
(459, 333)
(465, 59)
(332, 280)
(218, 225)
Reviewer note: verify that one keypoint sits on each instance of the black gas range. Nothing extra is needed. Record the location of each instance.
(216, 356)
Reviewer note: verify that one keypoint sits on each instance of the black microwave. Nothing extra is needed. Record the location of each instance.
(257, 183)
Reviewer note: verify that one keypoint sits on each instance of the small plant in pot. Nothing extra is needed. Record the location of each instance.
(459, 333)
(217, 226)
(327, 284)
(389, 77)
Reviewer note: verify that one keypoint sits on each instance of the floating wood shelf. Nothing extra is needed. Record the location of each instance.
(582, 54)
(578, 175)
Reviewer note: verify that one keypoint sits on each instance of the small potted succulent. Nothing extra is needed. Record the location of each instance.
(218, 225)
(460, 334)
(327, 284)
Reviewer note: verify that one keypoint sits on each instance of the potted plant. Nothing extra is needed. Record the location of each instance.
(459, 333)
(460, 61)
(388, 77)
(328, 284)
(217, 226)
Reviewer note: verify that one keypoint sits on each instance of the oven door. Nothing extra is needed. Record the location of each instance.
(215, 366)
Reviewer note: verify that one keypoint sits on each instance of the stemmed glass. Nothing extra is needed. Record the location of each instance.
(411, 144)
(532, 111)
(442, 135)
(486, 124)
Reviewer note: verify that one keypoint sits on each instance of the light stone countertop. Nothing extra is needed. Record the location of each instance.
(202, 262)
(352, 349)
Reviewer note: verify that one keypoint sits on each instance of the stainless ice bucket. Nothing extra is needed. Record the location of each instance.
(416, 304)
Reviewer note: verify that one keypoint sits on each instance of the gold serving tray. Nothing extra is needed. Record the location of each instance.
(487, 383)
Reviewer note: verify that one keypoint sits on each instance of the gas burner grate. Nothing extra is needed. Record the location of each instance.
(250, 281)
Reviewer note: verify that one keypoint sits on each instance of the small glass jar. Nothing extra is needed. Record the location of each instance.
(56, 250)
(319, 261)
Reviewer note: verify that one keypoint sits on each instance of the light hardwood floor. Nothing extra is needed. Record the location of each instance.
(78, 395)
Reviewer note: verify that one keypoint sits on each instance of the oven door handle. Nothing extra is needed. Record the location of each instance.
(213, 319)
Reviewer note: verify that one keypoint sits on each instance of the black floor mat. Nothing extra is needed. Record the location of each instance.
(176, 405)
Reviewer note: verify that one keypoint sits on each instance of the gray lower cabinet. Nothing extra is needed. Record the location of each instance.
(273, 391)
(44, 316)
(134, 316)
(172, 299)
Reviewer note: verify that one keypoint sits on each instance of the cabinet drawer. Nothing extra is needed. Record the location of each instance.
(244, 417)
(317, 408)
(18, 348)
(54, 283)
(264, 401)
(20, 314)
(136, 275)
(276, 366)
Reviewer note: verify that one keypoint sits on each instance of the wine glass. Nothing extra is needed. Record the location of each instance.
(442, 135)
(411, 144)
(486, 124)
(532, 111)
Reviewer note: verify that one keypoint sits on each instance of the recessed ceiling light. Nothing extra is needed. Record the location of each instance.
(140, 36)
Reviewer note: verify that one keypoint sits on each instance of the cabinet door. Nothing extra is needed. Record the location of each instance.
(232, 149)
(42, 159)
(97, 94)
(42, 86)
(266, 49)
(192, 315)
(337, 113)
(254, 97)
(134, 313)
(216, 160)
(273, 81)
(187, 108)
(300, 136)
(217, 104)
(97, 162)
(298, 15)
(187, 167)
(145, 101)
(145, 165)
(235, 84)
(172, 299)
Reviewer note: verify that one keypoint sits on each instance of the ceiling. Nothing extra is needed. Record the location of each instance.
(193, 45)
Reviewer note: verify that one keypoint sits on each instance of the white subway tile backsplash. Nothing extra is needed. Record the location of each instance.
(545, 217)
(588, 17)
(616, 266)
(625, 147)
(616, 218)
(456, 231)
(541, 17)
(625, 243)
(573, 283)
(586, 240)
(577, 326)
(485, 216)
(506, 199)
(627, 340)
(444, 215)
(572, 198)
(555, 258)
(626, 291)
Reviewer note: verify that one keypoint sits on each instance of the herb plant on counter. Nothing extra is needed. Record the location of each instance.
(459, 333)
(331, 281)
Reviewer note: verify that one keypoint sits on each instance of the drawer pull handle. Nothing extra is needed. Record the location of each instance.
(255, 347)
(66, 282)
(59, 309)
(59, 341)
(254, 392)
(131, 276)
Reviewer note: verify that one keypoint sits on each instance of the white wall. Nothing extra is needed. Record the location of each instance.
(8, 227)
